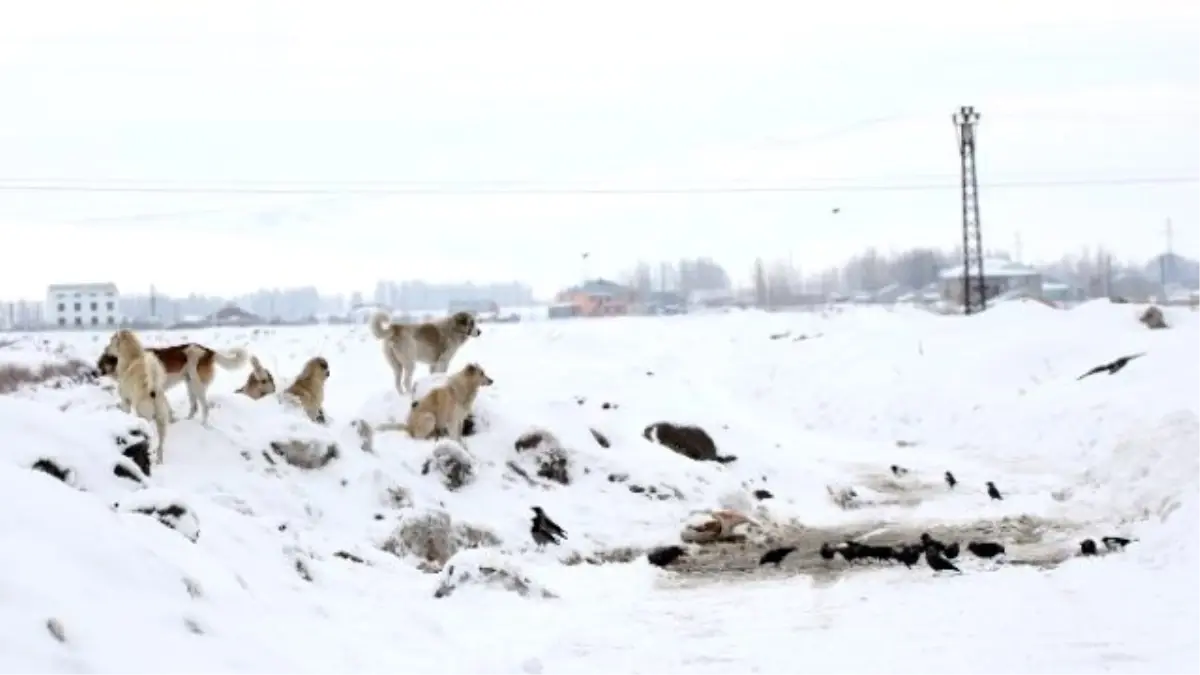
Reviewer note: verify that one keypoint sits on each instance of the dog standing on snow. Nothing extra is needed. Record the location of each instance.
(259, 382)
(444, 409)
(432, 342)
(309, 388)
(191, 363)
(141, 384)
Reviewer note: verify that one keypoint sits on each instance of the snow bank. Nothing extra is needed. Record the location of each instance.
(264, 526)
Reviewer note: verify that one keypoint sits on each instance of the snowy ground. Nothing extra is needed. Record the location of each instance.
(992, 397)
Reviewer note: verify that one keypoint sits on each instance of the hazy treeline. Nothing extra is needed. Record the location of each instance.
(1092, 270)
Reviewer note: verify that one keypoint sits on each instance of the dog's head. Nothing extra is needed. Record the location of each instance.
(107, 365)
(475, 375)
(464, 323)
(259, 383)
(316, 368)
(124, 344)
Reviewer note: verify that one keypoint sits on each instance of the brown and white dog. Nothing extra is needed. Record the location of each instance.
(432, 342)
(141, 383)
(189, 362)
(259, 382)
(442, 411)
(309, 388)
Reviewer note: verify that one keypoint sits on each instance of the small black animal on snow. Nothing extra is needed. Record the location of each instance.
(544, 530)
(827, 552)
(776, 555)
(992, 491)
(909, 555)
(985, 549)
(937, 562)
(665, 555)
(950, 480)
(1115, 543)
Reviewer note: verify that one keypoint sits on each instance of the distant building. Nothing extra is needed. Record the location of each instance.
(598, 297)
(474, 307)
(82, 305)
(232, 315)
(999, 277)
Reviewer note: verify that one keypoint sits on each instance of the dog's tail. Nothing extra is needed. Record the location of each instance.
(233, 359)
(380, 323)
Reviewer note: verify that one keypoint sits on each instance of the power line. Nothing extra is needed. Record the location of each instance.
(533, 189)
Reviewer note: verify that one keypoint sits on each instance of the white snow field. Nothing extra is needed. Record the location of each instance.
(247, 580)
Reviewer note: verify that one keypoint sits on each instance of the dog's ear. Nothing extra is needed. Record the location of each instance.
(473, 369)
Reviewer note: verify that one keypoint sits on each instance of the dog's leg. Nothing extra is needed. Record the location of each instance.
(161, 419)
(201, 395)
(409, 367)
(193, 406)
(456, 424)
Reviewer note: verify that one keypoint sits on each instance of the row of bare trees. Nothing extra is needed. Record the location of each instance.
(780, 280)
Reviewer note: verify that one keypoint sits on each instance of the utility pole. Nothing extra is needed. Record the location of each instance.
(153, 303)
(974, 293)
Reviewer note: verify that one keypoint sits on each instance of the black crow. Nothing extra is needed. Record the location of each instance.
(909, 555)
(850, 550)
(927, 541)
(665, 555)
(1087, 547)
(937, 562)
(827, 551)
(950, 480)
(992, 491)
(1115, 543)
(879, 553)
(951, 551)
(899, 471)
(776, 555)
(1113, 367)
(544, 530)
(985, 549)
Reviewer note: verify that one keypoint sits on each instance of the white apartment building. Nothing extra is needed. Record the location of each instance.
(83, 306)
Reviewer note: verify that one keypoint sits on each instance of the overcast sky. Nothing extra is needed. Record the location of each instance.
(614, 95)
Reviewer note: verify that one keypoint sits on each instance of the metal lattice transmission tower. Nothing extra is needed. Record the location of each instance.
(974, 295)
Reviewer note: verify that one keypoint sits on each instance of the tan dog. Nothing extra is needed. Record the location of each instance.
(192, 363)
(141, 384)
(442, 411)
(259, 383)
(433, 342)
(309, 388)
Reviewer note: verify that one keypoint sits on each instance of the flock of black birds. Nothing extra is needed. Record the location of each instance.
(937, 555)
(992, 491)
